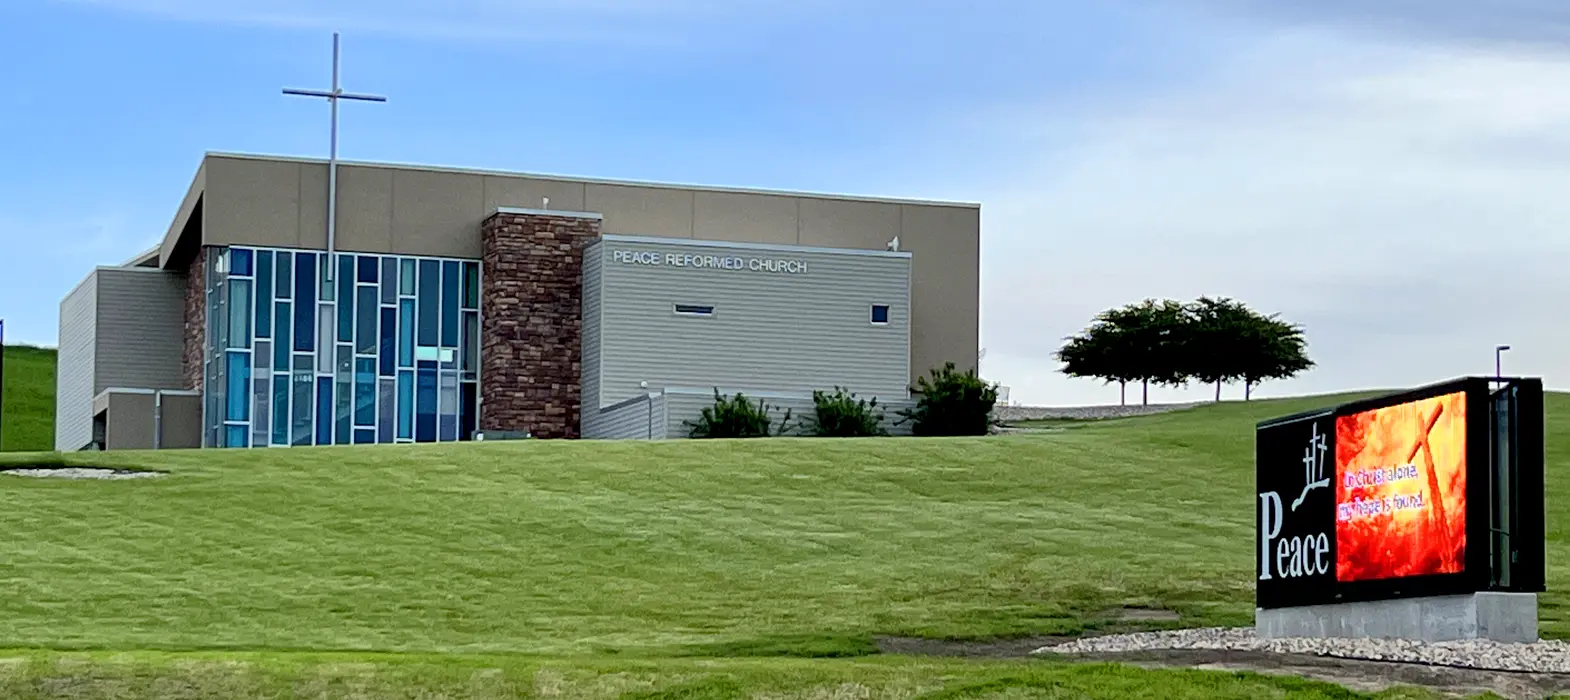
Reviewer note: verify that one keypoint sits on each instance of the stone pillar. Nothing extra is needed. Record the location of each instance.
(195, 320)
(531, 310)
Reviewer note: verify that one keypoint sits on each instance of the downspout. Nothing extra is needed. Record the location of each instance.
(158, 419)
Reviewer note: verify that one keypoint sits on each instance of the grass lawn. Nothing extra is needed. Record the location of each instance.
(632, 554)
(28, 399)
(273, 675)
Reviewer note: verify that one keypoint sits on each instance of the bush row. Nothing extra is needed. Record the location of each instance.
(948, 403)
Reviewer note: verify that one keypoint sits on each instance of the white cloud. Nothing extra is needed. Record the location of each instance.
(1405, 205)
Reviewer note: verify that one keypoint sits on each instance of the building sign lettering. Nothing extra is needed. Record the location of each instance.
(719, 262)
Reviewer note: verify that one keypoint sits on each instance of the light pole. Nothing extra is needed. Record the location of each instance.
(1499, 351)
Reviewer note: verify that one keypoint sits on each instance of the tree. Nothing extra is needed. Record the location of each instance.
(1275, 350)
(1215, 348)
(1138, 342)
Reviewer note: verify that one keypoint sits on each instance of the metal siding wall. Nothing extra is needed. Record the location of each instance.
(141, 329)
(636, 420)
(74, 390)
(589, 360)
(780, 332)
(684, 406)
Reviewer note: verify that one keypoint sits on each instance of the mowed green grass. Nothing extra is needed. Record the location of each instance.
(578, 547)
(28, 399)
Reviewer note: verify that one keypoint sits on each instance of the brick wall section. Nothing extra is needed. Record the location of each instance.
(531, 306)
(195, 320)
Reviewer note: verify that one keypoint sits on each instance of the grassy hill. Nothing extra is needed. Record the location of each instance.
(627, 552)
(28, 399)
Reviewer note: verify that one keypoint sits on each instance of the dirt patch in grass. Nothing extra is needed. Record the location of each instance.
(64, 472)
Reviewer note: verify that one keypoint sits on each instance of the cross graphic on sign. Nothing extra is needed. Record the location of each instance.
(1434, 497)
(1313, 466)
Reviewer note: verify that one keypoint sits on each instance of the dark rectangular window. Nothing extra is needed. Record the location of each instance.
(368, 265)
(364, 392)
(430, 298)
(324, 410)
(364, 436)
(406, 277)
(304, 389)
(264, 294)
(450, 299)
(694, 310)
(471, 285)
(239, 261)
(447, 406)
(386, 409)
(304, 302)
(389, 345)
(471, 341)
(880, 313)
(282, 345)
(237, 393)
(346, 303)
(425, 403)
(466, 412)
(239, 313)
(365, 317)
(235, 436)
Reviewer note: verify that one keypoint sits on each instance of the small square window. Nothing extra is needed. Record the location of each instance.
(694, 310)
(880, 313)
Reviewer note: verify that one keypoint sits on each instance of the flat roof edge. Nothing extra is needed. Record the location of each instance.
(911, 201)
(743, 245)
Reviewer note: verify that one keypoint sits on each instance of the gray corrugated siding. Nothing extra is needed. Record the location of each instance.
(637, 419)
(589, 359)
(74, 389)
(141, 329)
(682, 406)
(788, 333)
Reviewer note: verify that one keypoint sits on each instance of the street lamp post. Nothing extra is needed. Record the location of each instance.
(1499, 352)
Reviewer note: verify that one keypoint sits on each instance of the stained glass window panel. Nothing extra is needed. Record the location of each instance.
(304, 389)
(406, 277)
(305, 302)
(264, 294)
(389, 280)
(235, 436)
(345, 397)
(346, 309)
(365, 317)
(405, 405)
(425, 403)
(406, 333)
(239, 313)
(263, 393)
(284, 287)
(430, 302)
(284, 325)
(368, 265)
(237, 390)
(324, 410)
(281, 408)
(364, 392)
(471, 341)
(389, 345)
(450, 299)
(364, 436)
(240, 261)
(386, 410)
(471, 285)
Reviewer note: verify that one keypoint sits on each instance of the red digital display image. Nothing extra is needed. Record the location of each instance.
(1401, 490)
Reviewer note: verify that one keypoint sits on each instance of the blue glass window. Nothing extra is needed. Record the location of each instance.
(281, 348)
(237, 391)
(284, 288)
(447, 406)
(240, 261)
(389, 344)
(406, 277)
(324, 280)
(386, 409)
(281, 408)
(261, 429)
(880, 313)
(364, 392)
(405, 405)
(471, 285)
(239, 313)
(466, 413)
(430, 302)
(264, 355)
(324, 410)
(389, 280)
(236, 436)
(346, 305)
(406, 333)
(264, 294)
(304, 389)
(425, 403)
(450, 299)
(364, 436)
(305, 302)
(471, 342)
(345, 398)
(368, 265)
(365, 317)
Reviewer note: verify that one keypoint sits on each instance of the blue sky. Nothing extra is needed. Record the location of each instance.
(1343, 163)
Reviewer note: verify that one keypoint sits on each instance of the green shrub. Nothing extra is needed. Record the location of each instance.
(841, 414)
(736, 417)
(951, 403)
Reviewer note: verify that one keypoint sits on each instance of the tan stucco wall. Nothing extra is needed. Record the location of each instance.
(388, 208)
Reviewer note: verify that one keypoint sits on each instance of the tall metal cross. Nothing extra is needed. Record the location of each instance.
(333, 96)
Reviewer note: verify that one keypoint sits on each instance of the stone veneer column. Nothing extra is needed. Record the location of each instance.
(195, 320)
(531, 310)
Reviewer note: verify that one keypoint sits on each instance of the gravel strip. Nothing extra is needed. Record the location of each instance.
(1018, 413)
(81, 473)
(1541, 657)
